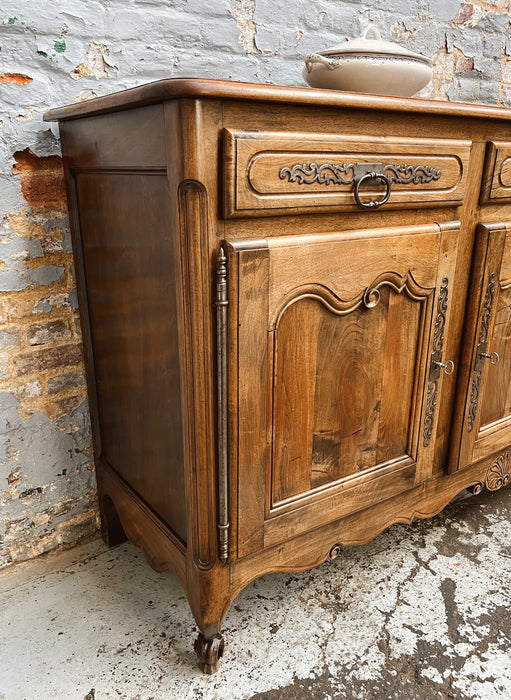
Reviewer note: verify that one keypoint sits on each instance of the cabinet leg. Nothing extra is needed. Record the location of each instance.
(209, 597)
(209, 652)
(111, 529)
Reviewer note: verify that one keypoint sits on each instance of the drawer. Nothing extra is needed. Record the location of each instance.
(278, 173)
(497, 172)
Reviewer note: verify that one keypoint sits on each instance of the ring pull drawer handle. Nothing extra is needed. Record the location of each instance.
(494, 357)
(447, 367)
(374, 177)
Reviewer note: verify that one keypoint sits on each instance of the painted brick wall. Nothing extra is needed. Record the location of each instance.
(59, 52)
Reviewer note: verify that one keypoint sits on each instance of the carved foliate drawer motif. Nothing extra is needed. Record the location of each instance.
(267, 172)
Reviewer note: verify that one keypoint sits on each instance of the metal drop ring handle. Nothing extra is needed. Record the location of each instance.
(494, 357)
(448, 367)
(373, 203)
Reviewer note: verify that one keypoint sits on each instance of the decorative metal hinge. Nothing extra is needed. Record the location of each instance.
(481, 352)
(436, 361)
(221, 304)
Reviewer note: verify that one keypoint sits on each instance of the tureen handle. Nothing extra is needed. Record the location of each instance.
(374, 29)
(318, 58)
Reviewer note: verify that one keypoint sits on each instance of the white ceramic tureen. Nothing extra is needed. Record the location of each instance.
(369, 65)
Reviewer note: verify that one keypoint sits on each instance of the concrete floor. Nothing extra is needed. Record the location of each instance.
(422, 612)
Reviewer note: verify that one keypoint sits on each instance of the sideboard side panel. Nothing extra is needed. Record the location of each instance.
(123, 239)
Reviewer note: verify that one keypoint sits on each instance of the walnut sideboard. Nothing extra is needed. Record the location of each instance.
(296, 311)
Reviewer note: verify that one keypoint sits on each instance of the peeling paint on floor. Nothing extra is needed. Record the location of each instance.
(422, 612)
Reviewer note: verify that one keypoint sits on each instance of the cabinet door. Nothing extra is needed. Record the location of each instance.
(336, 343)
(483, 413)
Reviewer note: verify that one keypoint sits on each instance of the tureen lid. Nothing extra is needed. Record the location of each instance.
(373, 46)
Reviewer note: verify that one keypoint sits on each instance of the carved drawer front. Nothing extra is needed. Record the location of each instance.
(265, 173)
(497, 178)
(336, 349)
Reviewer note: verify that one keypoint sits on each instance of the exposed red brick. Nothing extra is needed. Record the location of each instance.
(18, 78)
(41, 333)
(464, 13)
(42, 178)
(464, 64)
(43, 359)
(71, 380)
(64, 407)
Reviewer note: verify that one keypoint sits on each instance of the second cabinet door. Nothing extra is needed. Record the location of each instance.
(483, 416)
(335, 372)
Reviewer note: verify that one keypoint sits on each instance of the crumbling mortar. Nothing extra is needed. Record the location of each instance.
(22, 324)
(54, 409)
(56, 258)
(71, 530)
(20, 306)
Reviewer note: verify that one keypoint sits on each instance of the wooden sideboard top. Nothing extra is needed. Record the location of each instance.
(204, 88)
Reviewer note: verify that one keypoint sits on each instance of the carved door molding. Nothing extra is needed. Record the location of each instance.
(331, 358)
(483, 413)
